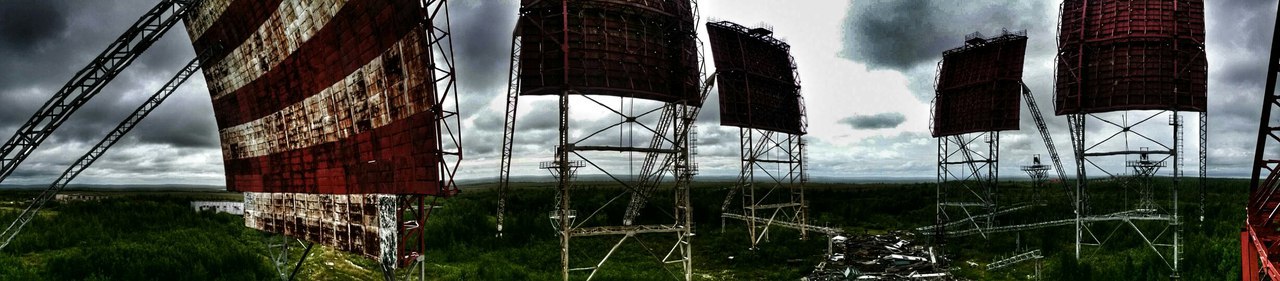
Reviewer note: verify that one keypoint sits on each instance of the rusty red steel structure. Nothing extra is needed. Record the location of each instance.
(329, 114)
(619, 47)
(980, 85)
(759, 87)
(644, 53)
(1116, 60)
(1260, 240)
(1131, 55)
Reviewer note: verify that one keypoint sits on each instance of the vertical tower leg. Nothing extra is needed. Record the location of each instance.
(562, 186)
(1076, 124)
(1204, 158)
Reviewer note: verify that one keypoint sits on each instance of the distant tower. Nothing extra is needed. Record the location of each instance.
(1131, 69)
(979, 89)
(1039, 173)
(760, 94)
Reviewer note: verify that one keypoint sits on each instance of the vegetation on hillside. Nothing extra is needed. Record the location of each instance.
(161, 238)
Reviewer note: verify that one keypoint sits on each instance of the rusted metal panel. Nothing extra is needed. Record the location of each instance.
(219, 27)
(204, 15)
(1131, 55)
(980, 85)
(357, 223)
(265, 39)
(630, 48)
(325, 97)
(758, 84)
(325, 112)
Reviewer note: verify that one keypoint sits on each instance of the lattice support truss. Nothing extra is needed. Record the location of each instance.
(635, 118)
(1047, 137)
(90, 80)
(1032, 255)
(1130, 154)
(771, 182)
(509, 129)
(286, 261)
(1260, 241)
(668, 151)
(968, 171)
(413, 210)
(97, 151)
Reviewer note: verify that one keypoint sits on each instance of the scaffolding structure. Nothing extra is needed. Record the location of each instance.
(1153, 215)
(978, 89)
(772, 163)
(1104, 89)
(760, 94)
(968, 172)
(652, 131)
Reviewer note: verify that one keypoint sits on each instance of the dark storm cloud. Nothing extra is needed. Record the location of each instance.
(45, 42)
(482, 39)
(909, 36)
(885, 120)
(28, 24)
(898, 35)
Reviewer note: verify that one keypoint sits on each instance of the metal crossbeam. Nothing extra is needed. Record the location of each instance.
(783, 223)
(1121, 217)
(98, 150)
(90, 80)
(624, 230)
(968, 219)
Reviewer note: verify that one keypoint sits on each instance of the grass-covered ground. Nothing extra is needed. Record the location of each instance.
(142, 236)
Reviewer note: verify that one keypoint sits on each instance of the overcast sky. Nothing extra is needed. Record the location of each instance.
(866, 66)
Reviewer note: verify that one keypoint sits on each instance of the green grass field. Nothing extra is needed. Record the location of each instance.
(139, 235)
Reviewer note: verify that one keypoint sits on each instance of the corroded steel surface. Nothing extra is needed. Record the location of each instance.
(328, 97)
(629, 48)
(351, 223)
(1131, 55)
(980, 86)
(758, 84)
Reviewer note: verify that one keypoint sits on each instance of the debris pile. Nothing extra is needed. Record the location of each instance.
(892, 256)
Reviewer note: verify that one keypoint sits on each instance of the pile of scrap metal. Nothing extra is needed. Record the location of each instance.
(891, 256)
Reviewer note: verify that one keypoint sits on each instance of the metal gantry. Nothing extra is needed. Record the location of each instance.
(97, 151)
(90, 80)
(1260, 242)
